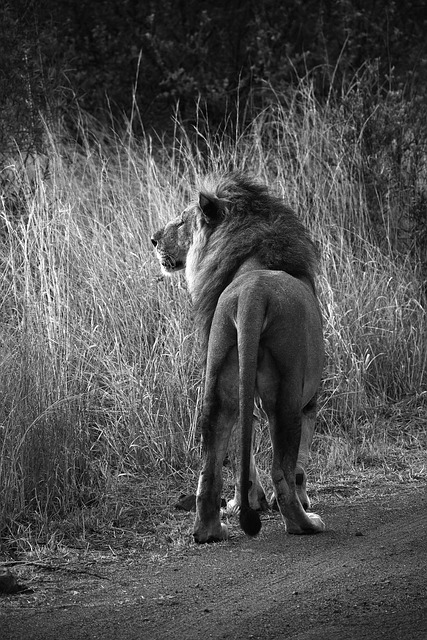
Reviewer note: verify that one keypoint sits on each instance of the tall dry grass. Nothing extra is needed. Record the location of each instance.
(99, 374)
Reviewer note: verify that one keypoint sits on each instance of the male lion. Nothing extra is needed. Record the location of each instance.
(249, 265)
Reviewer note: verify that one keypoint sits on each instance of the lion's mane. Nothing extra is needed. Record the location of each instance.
(255, 223)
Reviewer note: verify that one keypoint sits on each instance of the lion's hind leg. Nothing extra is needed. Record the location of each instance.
(208, 526)
(284, 427)
(307, 432)
(220, 408)
(257, 498)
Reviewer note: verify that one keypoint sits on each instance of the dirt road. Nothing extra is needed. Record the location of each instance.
(365, 577)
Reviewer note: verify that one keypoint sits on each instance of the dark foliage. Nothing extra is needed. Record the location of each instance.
(142, 60)
(150, 55)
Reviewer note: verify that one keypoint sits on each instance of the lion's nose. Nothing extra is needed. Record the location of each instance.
(154, 241)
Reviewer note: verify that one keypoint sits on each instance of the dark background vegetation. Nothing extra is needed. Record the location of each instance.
(54, 53)
(144, 61)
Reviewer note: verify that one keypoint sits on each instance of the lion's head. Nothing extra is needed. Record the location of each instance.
(234, 218)
(173, 242)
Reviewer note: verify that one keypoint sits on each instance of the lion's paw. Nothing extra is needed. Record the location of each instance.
(317, 522)
(311, 524)
(206, 537)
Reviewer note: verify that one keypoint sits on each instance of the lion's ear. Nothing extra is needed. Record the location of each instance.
(212, 209)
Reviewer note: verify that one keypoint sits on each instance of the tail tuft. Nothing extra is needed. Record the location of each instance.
(250, 521)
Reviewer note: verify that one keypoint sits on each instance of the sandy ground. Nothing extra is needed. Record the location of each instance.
(365, 577)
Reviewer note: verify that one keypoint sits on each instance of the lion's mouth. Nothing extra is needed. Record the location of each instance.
(170, 264)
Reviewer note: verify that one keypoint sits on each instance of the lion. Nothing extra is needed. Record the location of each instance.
(250, 268)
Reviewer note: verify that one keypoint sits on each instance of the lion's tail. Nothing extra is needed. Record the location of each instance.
(250, 318)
